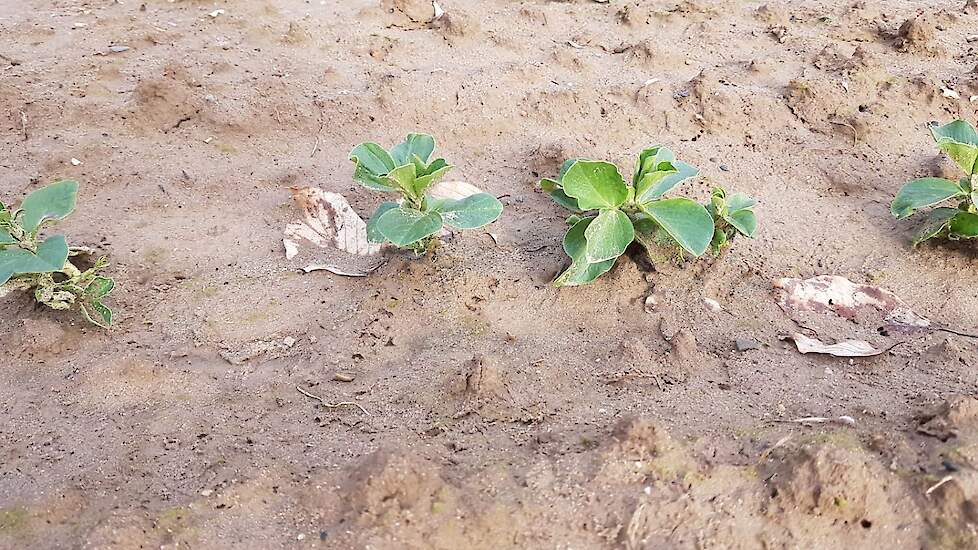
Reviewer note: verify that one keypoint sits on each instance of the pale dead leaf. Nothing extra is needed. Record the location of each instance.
(336, 270)
(847, 348)
(332, 228)
(453, 190)
(845, 298)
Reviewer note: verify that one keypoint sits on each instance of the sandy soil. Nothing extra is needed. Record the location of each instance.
(502, 413)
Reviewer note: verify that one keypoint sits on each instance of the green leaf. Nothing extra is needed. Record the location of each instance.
(402, 179)
(744, 221)
(53, 202)
(649, 161)
(100, 315)
(471, 212)
(552, 188)
(404, 226)
(423, 183)
(921, 193)
(100, 286)
(5, 238)
(435, 166)
(964, 225)
(51, 256)
(595, 185)
(739, 201)
(373, 234)
(960, 141)
(608, 236)
(659, 186)
(580, 271)
(686, 222)
(372, 163)
(938, 220)
(421, 145)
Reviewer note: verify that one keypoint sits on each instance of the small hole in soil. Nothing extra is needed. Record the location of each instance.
(866, 523)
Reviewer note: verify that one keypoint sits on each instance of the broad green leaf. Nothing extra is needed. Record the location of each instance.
(651, 179)
(739, 201)
(938, 220)
(662, 186)
(5, 238)
(921, 193)
(421, 145)
(373, 234)
(53, 202)
(471, 212)
(404, 226)
(744, 221)
(402, 178)
(608, 236)
(964, 225)
(649, 161)
(595, 185)
(686, 222)
(99, 314)
(372, 163)
(100, 287)
(435, 165)
(960, 141)
(423, 183)
(552, 188)
(51, 256)
(580, 271)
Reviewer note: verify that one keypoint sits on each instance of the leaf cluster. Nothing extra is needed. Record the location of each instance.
(609, 214)
(959, 141)
(43, 265)
(414, 220)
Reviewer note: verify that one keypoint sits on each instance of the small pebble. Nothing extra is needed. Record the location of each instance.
(712, 304)
(118, 49)
(343, 377)
(75, 162)
(746, 344)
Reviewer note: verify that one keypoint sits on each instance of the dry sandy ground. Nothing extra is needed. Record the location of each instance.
(502, 413)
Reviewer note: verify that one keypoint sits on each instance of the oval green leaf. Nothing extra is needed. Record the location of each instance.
(595, 185)
(403, 226)
(421, 145)
(960, 141)
(53, 202)
(373, 234)
(938, 220)
(580, 271)
(921, 193)
(964, 225)
(372, 162)
(608, 236)
(744, 221)
(686, 221)
(653, 185)
(51, 256)
(471, 212)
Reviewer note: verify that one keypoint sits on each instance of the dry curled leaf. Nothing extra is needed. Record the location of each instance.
(847, 348)
(453, 190)
(831, 293)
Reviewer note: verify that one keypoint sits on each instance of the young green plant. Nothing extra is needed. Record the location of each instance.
(959, 141)
(732, 215)
(44, 265)
(414, 221)
(609, 214)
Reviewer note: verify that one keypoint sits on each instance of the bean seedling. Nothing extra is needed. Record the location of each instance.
(960, 142)
(415, 220)
(44, 266)
(732, 215)
(608, 214)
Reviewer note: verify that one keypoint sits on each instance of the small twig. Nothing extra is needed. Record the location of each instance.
(23, 124)
(938, 484)
(845, 420)
(780, 443)
(332, 405)
(319, 135)
(855, 134)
